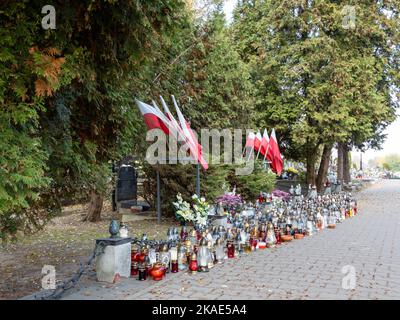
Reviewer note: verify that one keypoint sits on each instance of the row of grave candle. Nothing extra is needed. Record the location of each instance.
(199, 249)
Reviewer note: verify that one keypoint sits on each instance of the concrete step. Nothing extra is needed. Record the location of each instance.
(130, 216)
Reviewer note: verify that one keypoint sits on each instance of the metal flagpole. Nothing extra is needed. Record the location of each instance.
(244, 150)
(265, 156)
(158, 198)
(251, 152)
(198, 179)
(258, 152)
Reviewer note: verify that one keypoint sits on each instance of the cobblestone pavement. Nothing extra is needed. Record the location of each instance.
(310, 268)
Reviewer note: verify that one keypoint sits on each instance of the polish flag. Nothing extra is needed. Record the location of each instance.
(277, 162)
(177, 129)
(257, 142)
(194, 146)
(250, 140)
(153, 118)
(264, 143)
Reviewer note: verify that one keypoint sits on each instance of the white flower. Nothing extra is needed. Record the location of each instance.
(201, 220)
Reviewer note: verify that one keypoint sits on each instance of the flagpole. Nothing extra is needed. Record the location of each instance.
(167, 139)
(244, 150)
(258, 152)
(158, 197)
(198, 179)
(265, 155)
(251, 152)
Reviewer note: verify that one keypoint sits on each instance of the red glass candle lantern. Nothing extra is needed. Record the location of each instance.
(157, 272)
(193, 266)
(231, 249)
(174, 266)
(134, 269)
(278, 236)
(142, 256)
(254, 243)
(135, 255)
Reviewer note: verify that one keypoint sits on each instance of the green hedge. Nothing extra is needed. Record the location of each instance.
(180, 178)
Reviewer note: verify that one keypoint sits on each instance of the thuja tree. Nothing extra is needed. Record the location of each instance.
(216, 91)
(22, 157)
(213, 88)
(372, 84)
(67, 94)
(313, 72)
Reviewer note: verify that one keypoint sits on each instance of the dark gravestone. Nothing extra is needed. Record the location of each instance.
(126, 185)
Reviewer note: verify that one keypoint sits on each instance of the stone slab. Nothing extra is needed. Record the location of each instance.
(115, 262)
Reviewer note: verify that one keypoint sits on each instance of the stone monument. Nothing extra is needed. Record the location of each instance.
(115, 261)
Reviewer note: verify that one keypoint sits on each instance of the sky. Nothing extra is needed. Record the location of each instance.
(228, 8)
(392, 143)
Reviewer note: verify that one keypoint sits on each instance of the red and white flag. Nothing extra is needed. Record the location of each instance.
(153, 118)
(194, 146)
(179, 135)
(250, 140)
(257, 142)
(264, 143)
(277, 162)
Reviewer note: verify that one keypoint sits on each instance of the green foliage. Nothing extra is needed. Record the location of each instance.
(66, 97)
(250, 186)
(22, 158)
(201, 57)
(389, 162)
(181, 179)
(216, 90)
(316, 81)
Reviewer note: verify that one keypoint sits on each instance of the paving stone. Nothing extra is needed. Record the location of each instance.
(303, 269)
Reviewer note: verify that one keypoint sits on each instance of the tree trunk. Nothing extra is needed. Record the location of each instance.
(346, 164)
(95, 207)
(340, 163)
(311, 159)
(323, 167)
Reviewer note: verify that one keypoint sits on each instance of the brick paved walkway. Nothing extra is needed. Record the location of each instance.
(303, 269)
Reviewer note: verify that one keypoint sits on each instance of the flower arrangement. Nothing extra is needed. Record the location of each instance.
(200, 209)
(281, 194)
(183, 211)
(197, 213)
(292, 170)
(231, 202)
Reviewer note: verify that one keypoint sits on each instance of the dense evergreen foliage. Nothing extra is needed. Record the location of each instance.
(323, 72)
(67, 95)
